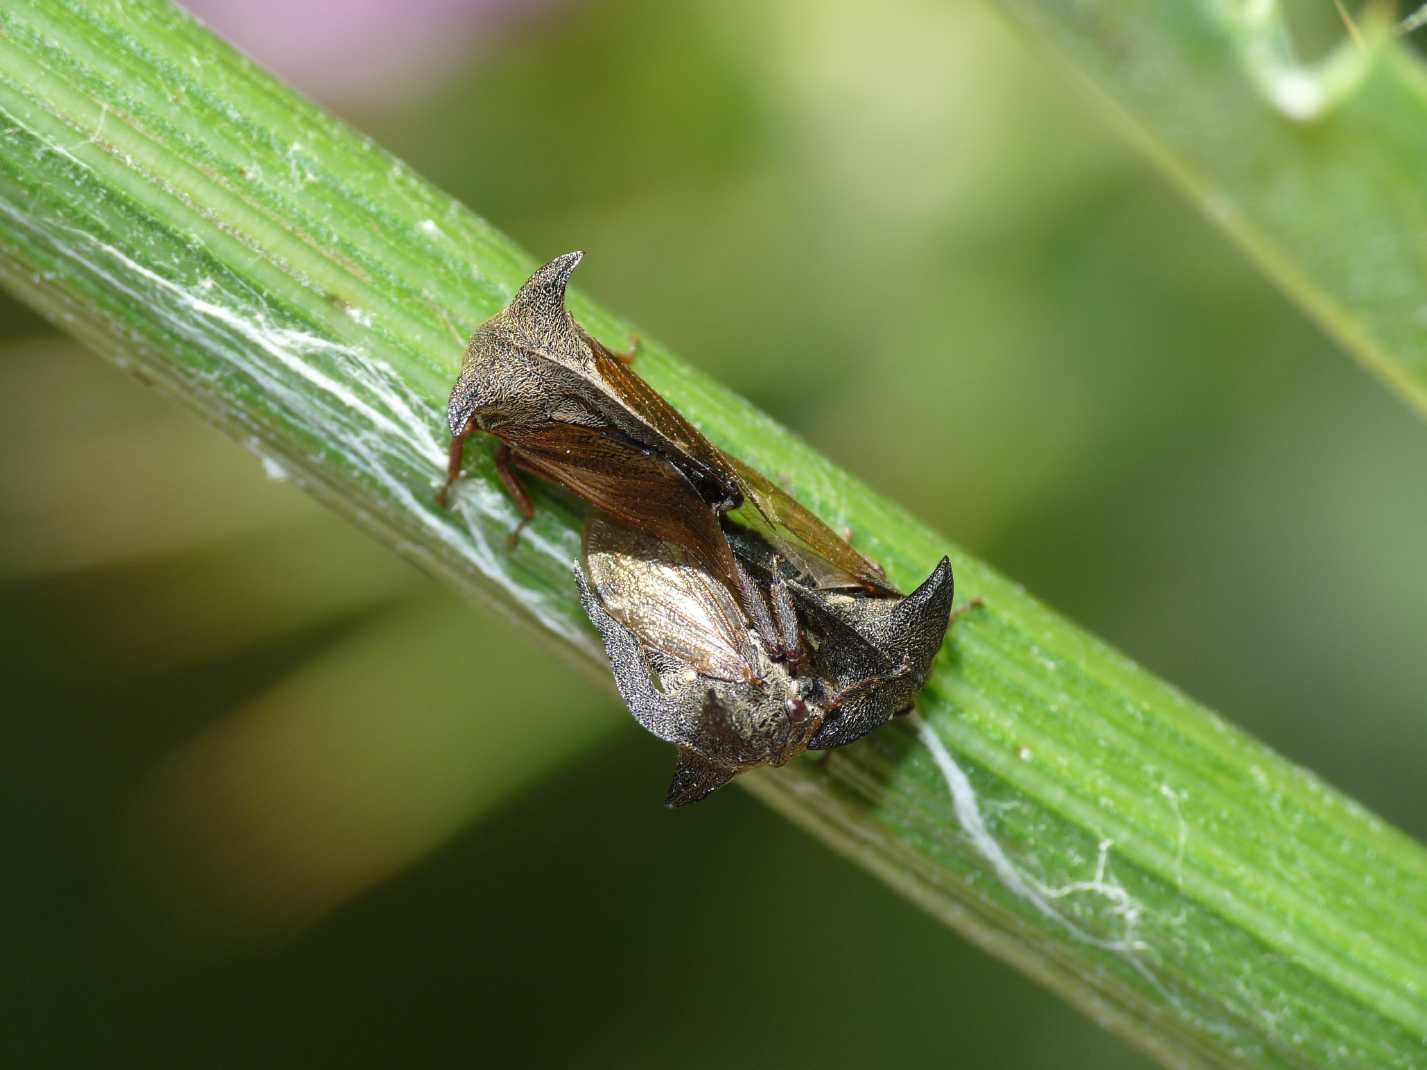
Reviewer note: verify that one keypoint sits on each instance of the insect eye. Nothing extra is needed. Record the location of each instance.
(796, 709)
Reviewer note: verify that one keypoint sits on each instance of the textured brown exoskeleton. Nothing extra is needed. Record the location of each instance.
(720, 698)
(566, 408)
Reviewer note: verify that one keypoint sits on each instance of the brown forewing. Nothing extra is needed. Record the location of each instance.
(785, 520)
(787, 524)
(700, 460)
(633, 485)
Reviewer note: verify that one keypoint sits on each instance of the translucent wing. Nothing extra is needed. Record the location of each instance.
(823, 556)
(706, 466)
(673, 606)
(639, 488)
(643, 490)
(813, 547)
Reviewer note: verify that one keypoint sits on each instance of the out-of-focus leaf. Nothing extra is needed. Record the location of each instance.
(1318, 169)
(342, 774)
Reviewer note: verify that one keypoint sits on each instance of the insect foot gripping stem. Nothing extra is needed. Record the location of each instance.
(872, 652)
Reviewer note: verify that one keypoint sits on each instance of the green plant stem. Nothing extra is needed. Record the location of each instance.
(1316, 169)
(206, 228)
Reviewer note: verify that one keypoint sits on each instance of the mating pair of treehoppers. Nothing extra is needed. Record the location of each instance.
(739, 626)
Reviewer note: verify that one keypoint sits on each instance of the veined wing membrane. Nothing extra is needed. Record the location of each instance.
(706, 466)
(639, 488)
(811, 545)
(671, 605)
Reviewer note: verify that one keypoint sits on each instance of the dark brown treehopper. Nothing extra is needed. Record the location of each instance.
(720, 698)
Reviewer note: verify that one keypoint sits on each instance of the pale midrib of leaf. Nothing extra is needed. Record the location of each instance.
(196, 221)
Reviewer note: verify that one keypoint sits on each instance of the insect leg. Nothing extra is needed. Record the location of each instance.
(506, 471)
(453, 462)
(750, 598)
(790, 632)
(851, 691)
(975, 603)
(627, 357)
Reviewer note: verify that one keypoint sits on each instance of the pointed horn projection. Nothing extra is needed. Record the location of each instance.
(905, 638)
(923, 614)
(695, 778)
(539, 305)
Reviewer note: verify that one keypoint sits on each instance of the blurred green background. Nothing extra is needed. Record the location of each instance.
(273, 798)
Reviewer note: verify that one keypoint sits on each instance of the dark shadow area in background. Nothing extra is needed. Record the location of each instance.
(581, 926)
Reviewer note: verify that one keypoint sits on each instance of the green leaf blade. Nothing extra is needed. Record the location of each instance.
(202, 225)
